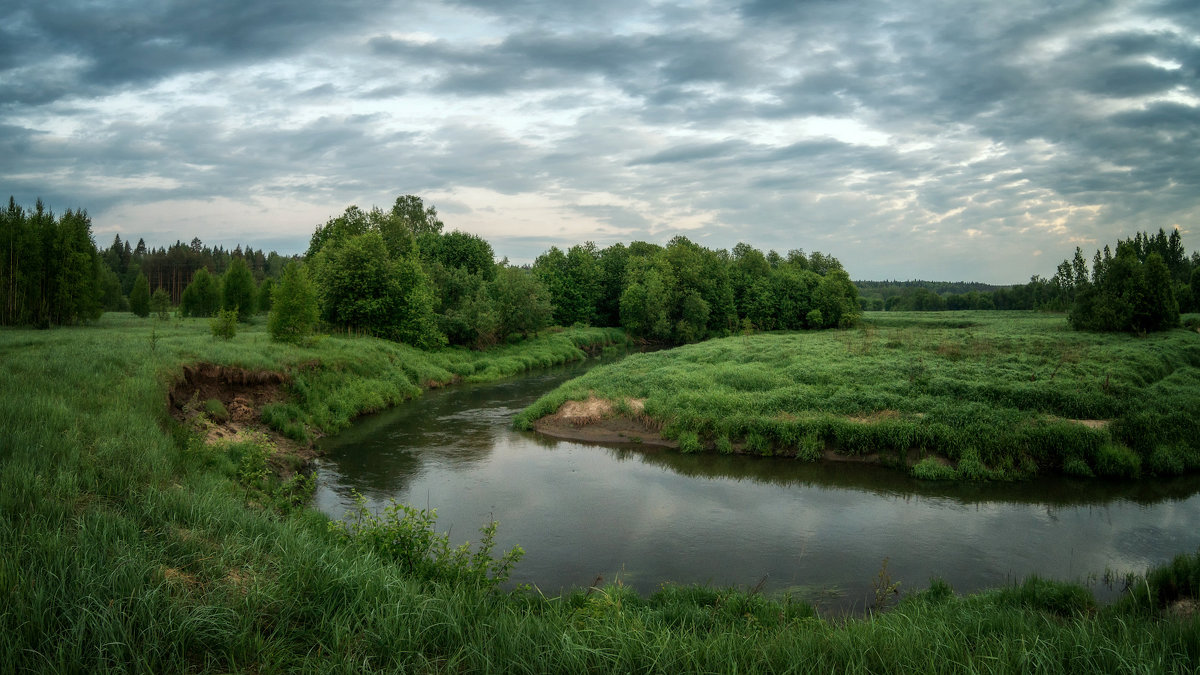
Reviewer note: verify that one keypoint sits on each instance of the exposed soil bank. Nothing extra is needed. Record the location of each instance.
(596, 420)
(225, 404)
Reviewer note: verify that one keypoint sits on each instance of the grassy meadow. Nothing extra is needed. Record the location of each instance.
(970, 395)
(129, 545)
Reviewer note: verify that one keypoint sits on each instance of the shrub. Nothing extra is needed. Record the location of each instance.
(224, 324)
(405, 535)
(160, 304)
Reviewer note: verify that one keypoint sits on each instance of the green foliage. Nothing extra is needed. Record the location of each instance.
(1126, 294)
(50, 273)
(238, 292)
(202, 297)
(224, 324)
(139, 297)
(361, 287)
(216, 410)
(160, 304)
(931, 469)
(689, 442)
(1054, 597)
(521, 302)
(407, 537)
(265, 299)
(294, 310)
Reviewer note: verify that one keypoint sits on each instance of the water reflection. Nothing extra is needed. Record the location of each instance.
(648, 516)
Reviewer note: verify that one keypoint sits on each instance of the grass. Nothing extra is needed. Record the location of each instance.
(999, 395)
(127, 545)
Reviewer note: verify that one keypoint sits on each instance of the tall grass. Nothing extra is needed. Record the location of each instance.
(998, 394)
(126, 545)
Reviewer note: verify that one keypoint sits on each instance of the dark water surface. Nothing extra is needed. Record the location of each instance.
(648, 516)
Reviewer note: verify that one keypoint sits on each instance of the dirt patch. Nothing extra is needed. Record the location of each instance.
(225, 403)
(177, 576)
(1184, 608)
(875, 417)
(596, 420)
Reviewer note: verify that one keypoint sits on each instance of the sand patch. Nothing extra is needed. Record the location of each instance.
(597, 420)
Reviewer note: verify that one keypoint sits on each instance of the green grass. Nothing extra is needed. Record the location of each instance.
(1001, 395)
(128, 546)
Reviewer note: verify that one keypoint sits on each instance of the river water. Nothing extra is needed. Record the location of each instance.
(648, 516)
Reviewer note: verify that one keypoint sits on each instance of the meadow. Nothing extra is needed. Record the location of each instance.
(127, 544)
(945, 395)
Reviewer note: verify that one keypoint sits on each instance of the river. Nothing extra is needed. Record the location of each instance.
(648, 516)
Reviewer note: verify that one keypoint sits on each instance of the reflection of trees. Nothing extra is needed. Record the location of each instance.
(880, 480)
(456, 426)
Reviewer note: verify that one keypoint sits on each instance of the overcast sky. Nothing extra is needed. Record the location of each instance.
(921, 139)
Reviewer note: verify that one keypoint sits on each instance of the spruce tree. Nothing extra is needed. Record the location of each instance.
(139, 297)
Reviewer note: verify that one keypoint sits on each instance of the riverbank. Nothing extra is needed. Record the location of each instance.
(985, 395)
(127, 543)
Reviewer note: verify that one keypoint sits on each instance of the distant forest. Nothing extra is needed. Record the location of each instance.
(398, 274)
(1058, 293)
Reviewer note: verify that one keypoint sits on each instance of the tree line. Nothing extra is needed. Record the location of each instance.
(49, 269)
(398, 274)
(1141, 285)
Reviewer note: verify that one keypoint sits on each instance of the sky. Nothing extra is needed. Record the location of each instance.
(930, 139)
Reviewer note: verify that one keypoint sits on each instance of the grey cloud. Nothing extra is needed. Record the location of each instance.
(1131, 80)
(123, 42)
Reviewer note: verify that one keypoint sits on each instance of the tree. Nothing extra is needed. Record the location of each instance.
(522, 303)
(1127, 294)
(265, 297)
(139, 297)
(160, 303)
(202, 297)
(1196, 288)
(238, 290)
(294, 306)
(361, 287)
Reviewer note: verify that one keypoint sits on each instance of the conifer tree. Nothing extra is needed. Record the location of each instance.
(139, 297)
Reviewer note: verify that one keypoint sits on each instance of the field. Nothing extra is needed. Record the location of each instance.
(983, 395)
(128, 544)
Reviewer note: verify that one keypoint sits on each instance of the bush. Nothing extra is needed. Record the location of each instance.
(224, 324)
(160, 304)
(405, 535)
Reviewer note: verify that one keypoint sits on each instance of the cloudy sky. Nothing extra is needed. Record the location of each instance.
(925, 139)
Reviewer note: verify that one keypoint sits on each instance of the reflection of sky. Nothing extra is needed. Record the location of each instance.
(581, 510)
